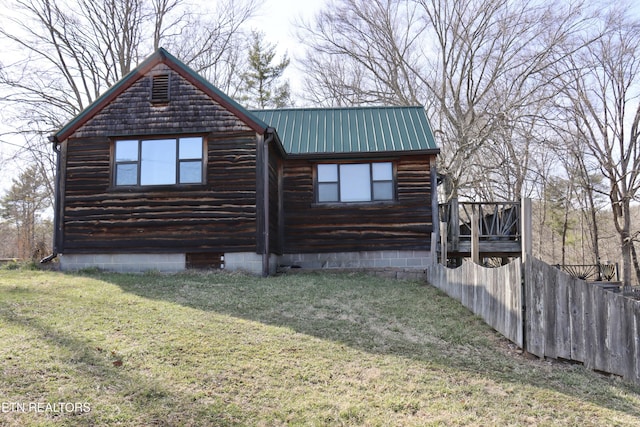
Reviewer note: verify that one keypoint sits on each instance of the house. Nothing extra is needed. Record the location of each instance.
(166, 172)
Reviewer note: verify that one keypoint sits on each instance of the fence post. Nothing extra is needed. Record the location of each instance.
(434, 246)
(526, 249)
(443, 243)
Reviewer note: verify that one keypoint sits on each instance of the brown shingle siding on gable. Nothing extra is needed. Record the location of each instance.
(189, 111)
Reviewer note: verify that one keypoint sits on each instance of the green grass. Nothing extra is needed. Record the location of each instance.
(229, 349)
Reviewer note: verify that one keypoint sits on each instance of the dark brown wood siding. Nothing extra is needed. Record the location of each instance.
(405, 224)
(275, 243)
(218, 216)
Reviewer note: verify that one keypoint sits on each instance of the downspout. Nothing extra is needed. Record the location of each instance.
(265, 200)
(56, 203)
(435, 211)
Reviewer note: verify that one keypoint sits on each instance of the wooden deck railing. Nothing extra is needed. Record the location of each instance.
(476, 229)
(592, 272)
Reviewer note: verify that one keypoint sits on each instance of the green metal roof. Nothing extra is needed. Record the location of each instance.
(351, 130)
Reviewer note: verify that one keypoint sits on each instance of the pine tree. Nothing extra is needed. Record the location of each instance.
(262, 81)
(22, 205)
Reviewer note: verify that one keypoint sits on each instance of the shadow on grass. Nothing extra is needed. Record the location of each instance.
(82, 372)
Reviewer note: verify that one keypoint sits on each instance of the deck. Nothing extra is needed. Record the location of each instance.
(480, 230)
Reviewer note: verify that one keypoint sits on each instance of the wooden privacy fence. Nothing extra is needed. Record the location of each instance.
(572, 319)
(552, 315)
(495, 294)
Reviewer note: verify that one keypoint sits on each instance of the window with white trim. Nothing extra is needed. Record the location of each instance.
(167, 161)
(354, 182)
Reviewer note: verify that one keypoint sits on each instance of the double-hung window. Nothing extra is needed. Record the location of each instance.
(166, 161)
(354, 182)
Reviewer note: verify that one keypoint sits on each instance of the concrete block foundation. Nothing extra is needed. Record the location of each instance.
(124, 263)
(396, 263)
(359, 260)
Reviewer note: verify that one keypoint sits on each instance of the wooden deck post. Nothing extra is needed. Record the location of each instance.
(435, 217)
(525, 228)
(475, 235)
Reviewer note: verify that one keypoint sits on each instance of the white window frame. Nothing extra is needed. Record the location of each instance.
(171, 160)
(338, 179)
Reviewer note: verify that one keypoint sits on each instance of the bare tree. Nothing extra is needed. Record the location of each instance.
(602, 88)
(213, 42)
(492, 72)
(362, 52)
(59, 56)
(482, 68)
(589, 186)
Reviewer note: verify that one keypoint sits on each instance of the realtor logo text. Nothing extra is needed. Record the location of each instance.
(45, 407)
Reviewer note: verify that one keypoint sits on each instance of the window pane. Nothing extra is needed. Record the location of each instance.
(190, 172)
(382, 171)
(328, 192)
(383, 190)
(327, 173)
(127, 174)
(191, 148)
(158, 164)
(355, 183)
(126, 151)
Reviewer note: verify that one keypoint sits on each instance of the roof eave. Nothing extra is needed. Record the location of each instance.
(362, 154)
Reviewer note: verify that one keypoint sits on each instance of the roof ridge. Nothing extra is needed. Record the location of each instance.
(336, 108)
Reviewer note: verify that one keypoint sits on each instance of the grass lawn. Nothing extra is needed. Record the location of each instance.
(199, 349)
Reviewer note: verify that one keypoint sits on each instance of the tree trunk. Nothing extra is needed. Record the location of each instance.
(625, 243)
(594, 227)
(634, 257)
(565, 229)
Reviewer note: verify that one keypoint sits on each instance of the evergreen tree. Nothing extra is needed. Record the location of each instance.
(262, 81)
(22, 205)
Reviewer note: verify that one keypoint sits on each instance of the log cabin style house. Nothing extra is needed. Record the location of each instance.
(165, 172)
